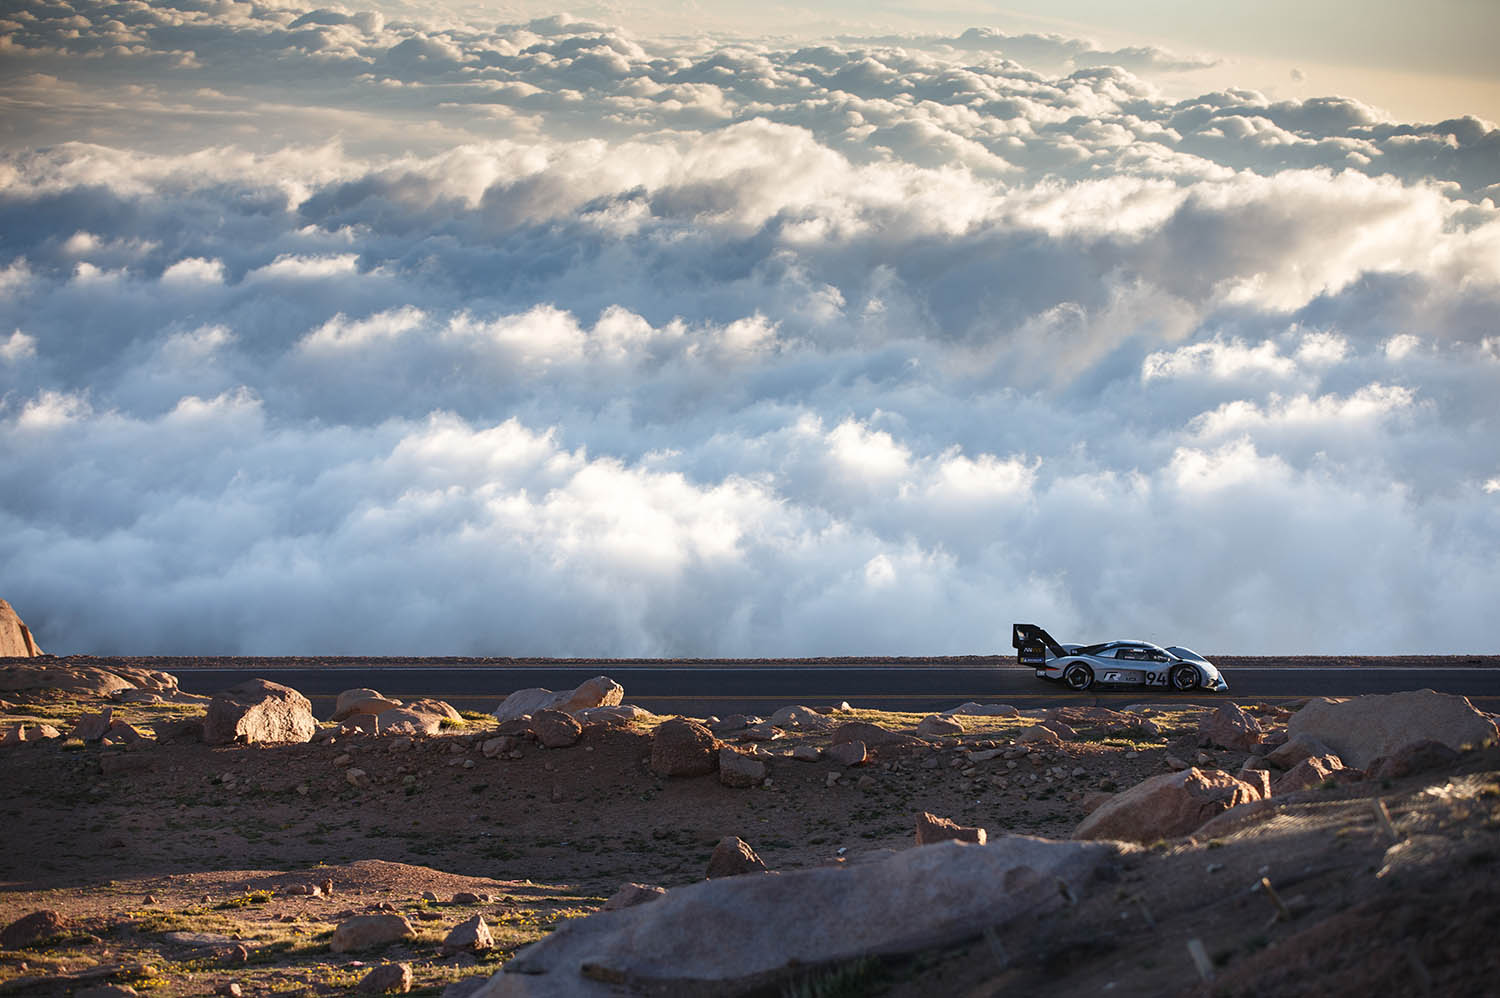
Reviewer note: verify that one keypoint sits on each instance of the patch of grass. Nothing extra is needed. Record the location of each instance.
(245, 900)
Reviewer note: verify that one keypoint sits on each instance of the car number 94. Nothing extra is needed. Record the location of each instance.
(1148, 678)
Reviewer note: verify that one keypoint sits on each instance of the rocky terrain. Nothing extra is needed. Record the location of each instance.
(168, 844)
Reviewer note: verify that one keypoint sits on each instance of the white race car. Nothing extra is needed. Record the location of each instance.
(1114, 663)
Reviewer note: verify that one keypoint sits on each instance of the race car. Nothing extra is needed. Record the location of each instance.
(1114, 663)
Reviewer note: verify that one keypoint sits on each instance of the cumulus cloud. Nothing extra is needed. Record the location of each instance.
(432, 337)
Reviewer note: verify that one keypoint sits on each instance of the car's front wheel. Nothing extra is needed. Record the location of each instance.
(1184, 678)
(1078, 676)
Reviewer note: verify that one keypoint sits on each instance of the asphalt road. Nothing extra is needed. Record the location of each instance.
(724, 690)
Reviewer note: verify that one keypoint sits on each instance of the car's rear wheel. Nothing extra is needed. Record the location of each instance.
(1184, 678)
(1078, 676)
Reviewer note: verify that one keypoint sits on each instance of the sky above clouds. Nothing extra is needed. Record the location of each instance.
(666, 331)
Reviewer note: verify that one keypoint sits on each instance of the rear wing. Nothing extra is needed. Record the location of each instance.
(1032, 644)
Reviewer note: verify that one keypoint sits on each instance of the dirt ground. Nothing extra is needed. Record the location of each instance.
(165, 859)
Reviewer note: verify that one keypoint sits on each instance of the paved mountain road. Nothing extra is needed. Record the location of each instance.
(760, 689)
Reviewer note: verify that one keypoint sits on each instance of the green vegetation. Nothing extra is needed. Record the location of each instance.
(245, 900)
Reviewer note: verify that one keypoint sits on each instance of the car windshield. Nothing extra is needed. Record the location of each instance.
(1187, 653)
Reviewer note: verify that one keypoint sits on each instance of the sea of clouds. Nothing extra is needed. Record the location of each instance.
(328, 333)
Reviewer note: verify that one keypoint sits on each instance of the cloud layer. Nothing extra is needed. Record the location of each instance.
(322, 333)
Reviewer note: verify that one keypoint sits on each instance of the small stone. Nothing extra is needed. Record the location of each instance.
(852, 753)
(737, 769)
(939, 726)
(471, 935)
(832, 780)
(357, 777)
(343, 760)
(387, 979)
(230, 989)
(630, 895)
(732, 857)
(931, 828)
(365, 931)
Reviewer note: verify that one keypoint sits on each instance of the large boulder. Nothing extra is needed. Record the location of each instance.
(92, 727)
(614, 716)
(601, 691)
(848, 753)
(1368, 727)
(15, 637)
(555, 729)
(873, 735)
(1417, 757)
(736, 769)
(257, 711)
(424, 718)
(704, 937)
(1231, 728)
(1166, 806)
(366, 931)
(1314, 771)
(361, 701)
(799, 718)
(972, 709)
(683, 747)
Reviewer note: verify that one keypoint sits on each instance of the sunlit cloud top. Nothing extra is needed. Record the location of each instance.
(355, 331)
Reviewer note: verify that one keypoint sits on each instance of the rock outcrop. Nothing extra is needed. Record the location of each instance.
(15, 637)
(1166, 806)
(807, 917)
(601, 691)
(102, 680)
(259, 711)
(1368, 727)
